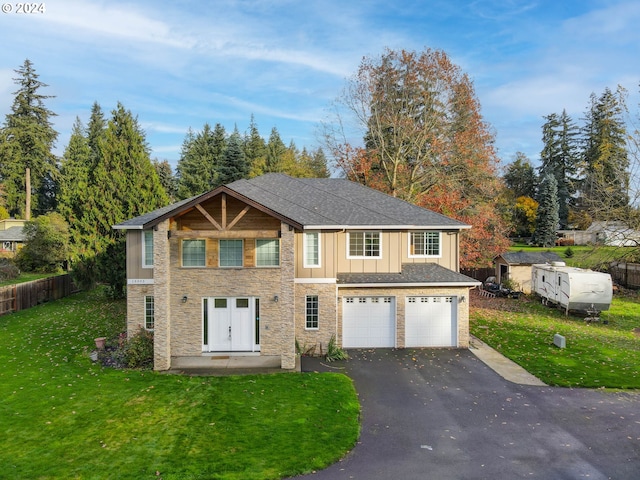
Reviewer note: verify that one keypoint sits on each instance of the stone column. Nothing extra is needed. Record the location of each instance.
(287, 297)
(161, 296)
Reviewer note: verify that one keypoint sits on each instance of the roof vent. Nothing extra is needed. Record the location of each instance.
(558, 264)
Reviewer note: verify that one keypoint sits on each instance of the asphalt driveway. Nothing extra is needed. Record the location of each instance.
(443, 414)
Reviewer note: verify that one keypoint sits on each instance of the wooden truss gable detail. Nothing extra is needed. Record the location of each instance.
(224, 226)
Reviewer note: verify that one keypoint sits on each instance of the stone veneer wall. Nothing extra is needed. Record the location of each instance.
(327, 316)
(400, 295)
(135, 307)
(185, 329)
(162, 297)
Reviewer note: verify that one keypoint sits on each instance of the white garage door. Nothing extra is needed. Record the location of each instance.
(431, 322)
(368, 322)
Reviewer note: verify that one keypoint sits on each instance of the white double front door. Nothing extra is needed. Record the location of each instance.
(231, 324)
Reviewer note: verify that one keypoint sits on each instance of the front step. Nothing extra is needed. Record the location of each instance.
(226, 361)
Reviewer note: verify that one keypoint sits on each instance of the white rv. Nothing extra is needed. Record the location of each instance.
(572, 288)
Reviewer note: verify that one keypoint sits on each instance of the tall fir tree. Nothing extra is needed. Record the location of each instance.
(27, 139)
(234, 164)
(167, 179)
(559, 157)
(520, 177)
(124, 184)
(606, 177)
(275, 153)
(255, 150)
(547, 218)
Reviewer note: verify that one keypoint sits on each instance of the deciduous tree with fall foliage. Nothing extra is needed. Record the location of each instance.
(425, 141)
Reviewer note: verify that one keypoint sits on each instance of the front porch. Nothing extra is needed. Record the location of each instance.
(229, 364)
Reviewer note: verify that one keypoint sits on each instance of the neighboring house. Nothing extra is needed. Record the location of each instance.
(255, 266)
(516, 267)
(11, 235)
(610, 233)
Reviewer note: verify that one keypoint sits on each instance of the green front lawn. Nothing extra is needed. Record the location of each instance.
(584, 256)
(596, 354)
(61, 416)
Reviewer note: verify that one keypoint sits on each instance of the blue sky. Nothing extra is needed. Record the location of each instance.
(178, 64)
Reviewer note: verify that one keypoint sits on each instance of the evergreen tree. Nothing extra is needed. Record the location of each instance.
(234, 164)
(520, 177)
(123, 184)
(276, 151)
(318, 164)
(606, 182)
(547, 217)
(559, 157)
(197, 170)
(26, 142)
(167, 179)
(255, 150)
(75, 175)
(46, 247)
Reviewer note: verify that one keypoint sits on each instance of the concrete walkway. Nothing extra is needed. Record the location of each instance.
(507, 369)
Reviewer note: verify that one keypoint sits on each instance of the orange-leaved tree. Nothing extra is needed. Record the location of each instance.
(425, 141)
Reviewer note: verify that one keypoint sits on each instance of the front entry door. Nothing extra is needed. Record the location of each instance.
(229, 324)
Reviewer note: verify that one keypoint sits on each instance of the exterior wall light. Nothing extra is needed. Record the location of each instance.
(184, 299)
(275, 298)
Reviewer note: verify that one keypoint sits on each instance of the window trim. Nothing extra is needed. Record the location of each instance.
(305, 244)
(220, 252)
(410, 244)
(150, 298)
(144, 249)
(277, 240)
(204, 242)
(364, 256)
(311, 315)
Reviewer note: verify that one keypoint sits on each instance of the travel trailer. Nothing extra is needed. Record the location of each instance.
(572, 288)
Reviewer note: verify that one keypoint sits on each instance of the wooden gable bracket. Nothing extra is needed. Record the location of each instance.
(224, 226)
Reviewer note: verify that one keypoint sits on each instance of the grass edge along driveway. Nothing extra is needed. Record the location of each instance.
(597, 355)
(61, 416)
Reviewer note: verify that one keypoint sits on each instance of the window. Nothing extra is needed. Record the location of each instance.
(147, 249)
(312, 312)
(149, 314)
(268, 253)
(193, 253)
(231, 253)
(424, 244)
(311, 246)
(364, 244)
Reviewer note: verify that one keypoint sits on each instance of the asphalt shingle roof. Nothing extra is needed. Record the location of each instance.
(12, 234)
(530, 258)
(412, 273)
(320, 202)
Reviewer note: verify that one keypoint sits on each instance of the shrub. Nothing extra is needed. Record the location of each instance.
(568, 252)
(334, 352)
(138, 350)
(8, 269)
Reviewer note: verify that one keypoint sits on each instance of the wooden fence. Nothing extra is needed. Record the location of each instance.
(625, 274)
(480, 274)
(21, 296)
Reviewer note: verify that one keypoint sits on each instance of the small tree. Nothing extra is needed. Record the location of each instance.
(46, 246)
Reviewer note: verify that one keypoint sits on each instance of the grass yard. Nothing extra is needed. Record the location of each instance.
(61, 416)
(584, 256)
(596, 354)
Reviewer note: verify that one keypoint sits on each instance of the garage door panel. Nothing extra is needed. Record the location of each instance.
(430, 321)
(368, 322)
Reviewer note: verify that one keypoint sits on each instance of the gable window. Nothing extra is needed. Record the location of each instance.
(311, 247)
(267, 252)
(193, 253)
(149, 313)
(311, 312)
(231, 253)
(424, 244)
(147, 249)
(364, 244)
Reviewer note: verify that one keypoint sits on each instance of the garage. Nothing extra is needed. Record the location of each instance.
(431, 321)
(368, 322)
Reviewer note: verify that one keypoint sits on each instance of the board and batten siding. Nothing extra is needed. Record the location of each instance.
(395, 252)
(134, 257)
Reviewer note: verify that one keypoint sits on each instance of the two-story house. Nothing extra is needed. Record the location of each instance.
(254, 266)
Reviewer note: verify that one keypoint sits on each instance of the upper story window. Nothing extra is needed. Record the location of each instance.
(424, 244)
(193, 253)
(147, 249)
(311, 247)
(267, 252)
(231, 253)
(364, 245)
